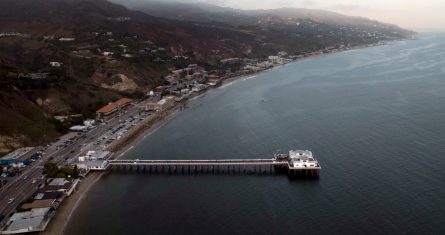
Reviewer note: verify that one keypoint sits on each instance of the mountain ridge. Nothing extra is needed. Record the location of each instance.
(113, 52)
(157, 8)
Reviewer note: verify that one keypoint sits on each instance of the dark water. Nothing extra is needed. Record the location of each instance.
(374, 117)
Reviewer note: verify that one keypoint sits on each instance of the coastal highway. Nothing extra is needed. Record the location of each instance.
(20, 188)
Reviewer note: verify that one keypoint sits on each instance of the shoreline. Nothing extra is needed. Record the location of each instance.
(149, 126)
(66, 211)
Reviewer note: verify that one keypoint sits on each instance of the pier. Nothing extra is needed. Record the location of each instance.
(296, 164)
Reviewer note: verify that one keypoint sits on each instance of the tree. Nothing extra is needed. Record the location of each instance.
(75, 172)
(50, 169)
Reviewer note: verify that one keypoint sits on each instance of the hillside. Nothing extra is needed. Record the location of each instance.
(69, 57)
(203, 12)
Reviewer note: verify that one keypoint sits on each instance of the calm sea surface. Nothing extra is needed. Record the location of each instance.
(374, 117)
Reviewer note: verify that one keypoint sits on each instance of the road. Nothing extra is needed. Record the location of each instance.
(21, 189)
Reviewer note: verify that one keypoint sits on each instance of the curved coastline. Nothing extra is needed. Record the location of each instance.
(66, 212)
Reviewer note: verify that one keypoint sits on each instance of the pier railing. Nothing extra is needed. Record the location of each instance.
(199, 162)
(215, 166)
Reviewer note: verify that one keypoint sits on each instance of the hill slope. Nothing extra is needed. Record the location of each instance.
(202, 12)
(115, 52)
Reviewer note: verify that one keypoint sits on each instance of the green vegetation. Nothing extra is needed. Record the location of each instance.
(144, 50)
(52, 171)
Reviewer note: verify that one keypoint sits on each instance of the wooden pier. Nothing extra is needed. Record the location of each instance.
(225, 166)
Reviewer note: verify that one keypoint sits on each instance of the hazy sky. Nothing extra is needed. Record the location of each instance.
(412, 14)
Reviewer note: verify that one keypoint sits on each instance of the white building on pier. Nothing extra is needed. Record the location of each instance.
(302, 159)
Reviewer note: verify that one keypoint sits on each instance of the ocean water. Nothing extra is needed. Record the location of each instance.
(374, 117)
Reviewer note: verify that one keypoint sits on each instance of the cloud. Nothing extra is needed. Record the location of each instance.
(308, 3)
(407, 13)
(285, 3)
(264, 4)
(347, 7)
(221, 3)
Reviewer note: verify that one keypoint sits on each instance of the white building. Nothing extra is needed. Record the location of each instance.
(265, 65)
(107, 53)
(64, 185)
(185, 91)
(34, 220)
(67, 39)
(161, 105)
(89, 122)
(99, 165)
(252, 68)
(199, 87)
(282, 53)
(55, 64)
(94, 160)
(79, 128)
(302, 159)
(275, 59)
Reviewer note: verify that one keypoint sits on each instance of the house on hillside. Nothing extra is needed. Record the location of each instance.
(55, 64)
(67, 39)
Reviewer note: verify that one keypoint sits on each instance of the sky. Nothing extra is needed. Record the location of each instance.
(421, 15)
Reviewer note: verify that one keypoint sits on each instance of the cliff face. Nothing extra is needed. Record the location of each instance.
(64, 57)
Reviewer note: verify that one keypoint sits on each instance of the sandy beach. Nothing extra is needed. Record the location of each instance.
(64, 212)
(68, 207)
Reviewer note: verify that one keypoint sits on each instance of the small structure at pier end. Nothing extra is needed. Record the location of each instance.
(300, 164)
(296, 164)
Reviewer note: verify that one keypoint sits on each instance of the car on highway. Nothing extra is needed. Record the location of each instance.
(10, 200)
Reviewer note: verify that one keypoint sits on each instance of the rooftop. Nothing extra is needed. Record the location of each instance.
(58, 182)
(107, 108)
(111, 106)
(28, 221)
(47, 195)
(95, 164)
(62, 185)
(300, 154)
(39, 204)
(18, 153)
(123, 101)
(302, 159)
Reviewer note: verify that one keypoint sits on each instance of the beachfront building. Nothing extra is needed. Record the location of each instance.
(94, 160)
(199, 87)
(34, 220)
(113, 107)
(275, 59)
(159, 106)
(43, 195)
(96, 165)
(45, 203)
(64, 185)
